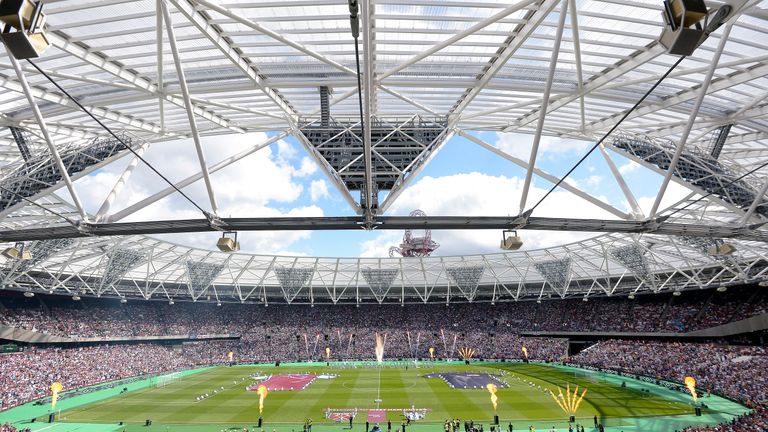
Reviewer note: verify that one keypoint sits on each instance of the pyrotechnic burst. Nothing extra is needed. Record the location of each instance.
(570, 402)
(230, 356)
(690, 382)
(466, 353)
(431, 352)
(327, 353)
(379, 348)
(492, 390)
(525, 352)
(262, 392)
(56, 387)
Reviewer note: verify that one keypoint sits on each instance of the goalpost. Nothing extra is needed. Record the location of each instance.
(164, 380)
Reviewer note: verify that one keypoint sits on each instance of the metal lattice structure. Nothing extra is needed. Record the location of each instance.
(698, 169)
(556, 272)
(201, 275)
(633, 257)
(292, 280)
(466, 279)
(38, 173)
(399, 151)
(119, 262)
(379, 281)
(432, 73)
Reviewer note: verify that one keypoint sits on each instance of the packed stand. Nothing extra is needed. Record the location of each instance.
(757, 421)
(27, 375)
(739, 372)
(104, 318)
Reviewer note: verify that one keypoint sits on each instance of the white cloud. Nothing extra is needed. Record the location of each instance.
(629, 167)
(594, 180)
(551, 148)
(307, 168)
(253, 186)
(318, 189)
(482, 195)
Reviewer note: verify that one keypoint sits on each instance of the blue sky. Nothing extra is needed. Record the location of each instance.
(463, 178)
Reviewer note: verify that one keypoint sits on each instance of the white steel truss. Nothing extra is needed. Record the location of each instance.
(544, 67)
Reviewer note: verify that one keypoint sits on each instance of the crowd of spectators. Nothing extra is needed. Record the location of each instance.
(28, 375)
(104, 318)
(757, 421)
(739, 372)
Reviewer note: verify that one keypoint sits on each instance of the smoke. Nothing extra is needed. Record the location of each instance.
(379, 348)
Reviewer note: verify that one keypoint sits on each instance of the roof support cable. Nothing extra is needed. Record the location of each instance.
(607, 134)
(207, 214)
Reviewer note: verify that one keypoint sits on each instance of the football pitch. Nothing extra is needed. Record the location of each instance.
(432, 392)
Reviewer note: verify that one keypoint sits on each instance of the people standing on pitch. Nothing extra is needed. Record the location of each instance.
(510, 428)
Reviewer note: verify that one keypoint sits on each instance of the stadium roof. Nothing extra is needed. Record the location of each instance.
(155, 71)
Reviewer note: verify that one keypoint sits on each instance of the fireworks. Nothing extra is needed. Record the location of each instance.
(230, 356)
(327, 353)
(380, 347)
(466, 353)
(525, 352)
(431, 352)
(570, 402)
(56, 387)
(690, 382)
(262, 392)
(492, 390)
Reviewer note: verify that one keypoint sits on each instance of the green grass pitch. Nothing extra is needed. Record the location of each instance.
(357, 388)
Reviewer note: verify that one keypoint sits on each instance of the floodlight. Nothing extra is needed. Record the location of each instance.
(29, 294)
(76, 297)
(510, 240)
(22, 32)
(228, 242)
(17, 252)
(722, 288)
(676, 293)
(688, 23)
(721, 249)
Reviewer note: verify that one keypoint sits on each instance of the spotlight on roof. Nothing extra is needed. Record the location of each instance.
(721, 249)
(510, 240)
(22, 32)
(688, 23)
(631, 296)
(722, 288)
(676, 293)
(17, 252)
(763, 283)
(76, 297)
(123, 300)
(218, 304)
(228, 242)
(170, 302)
(29, 294)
